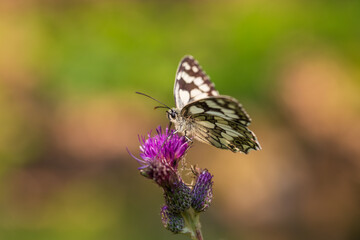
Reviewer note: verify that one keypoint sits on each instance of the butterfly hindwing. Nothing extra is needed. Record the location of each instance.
(191, 83)
(222, 106)
(221, 138)
(222, 122)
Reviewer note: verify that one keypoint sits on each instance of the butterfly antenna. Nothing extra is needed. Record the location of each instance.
(160, 107)
(165, 106)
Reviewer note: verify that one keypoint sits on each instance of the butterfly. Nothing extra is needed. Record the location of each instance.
(201, 112)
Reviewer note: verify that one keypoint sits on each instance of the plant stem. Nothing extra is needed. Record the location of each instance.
(192, 223)
(198, 235)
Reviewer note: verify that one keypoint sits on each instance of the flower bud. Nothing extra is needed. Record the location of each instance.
(172, 221)
(178, 197)
(202, 192)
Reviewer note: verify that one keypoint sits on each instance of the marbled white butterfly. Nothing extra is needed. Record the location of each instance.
(202, 113)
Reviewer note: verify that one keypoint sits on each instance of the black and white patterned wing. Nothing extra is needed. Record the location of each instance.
(222, 122)
(191, 83)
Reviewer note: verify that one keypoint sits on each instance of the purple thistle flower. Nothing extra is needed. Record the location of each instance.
(159, 159)
(160, 156)
(202, 192)
(172, 221)
(166, 147)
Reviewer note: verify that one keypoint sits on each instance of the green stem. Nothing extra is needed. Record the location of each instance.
(192, 223)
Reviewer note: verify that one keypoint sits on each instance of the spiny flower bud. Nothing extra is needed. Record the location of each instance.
(178, 197)
(172, 221)
(202, 192)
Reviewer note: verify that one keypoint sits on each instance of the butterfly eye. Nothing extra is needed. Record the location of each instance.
(171, 115)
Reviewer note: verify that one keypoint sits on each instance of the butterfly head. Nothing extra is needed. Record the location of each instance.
(172, 114)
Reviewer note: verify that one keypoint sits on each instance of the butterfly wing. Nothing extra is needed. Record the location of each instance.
(191, 83)
(222, 122)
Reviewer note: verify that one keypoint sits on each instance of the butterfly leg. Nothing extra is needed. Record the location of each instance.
(170, 124)
(170, 136)
(187, 138)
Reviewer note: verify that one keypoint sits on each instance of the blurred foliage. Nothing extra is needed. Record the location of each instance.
(68, 73)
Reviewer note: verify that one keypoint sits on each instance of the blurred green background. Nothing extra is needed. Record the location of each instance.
(68, 73)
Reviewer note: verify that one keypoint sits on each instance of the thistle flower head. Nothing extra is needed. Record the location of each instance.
(202, 192)
(160, 156)
(165, 146)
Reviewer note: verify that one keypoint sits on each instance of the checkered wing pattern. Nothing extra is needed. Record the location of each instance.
(222, 122)
(191, 83)
(217, 120)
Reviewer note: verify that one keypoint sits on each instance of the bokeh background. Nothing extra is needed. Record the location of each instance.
(68, 73)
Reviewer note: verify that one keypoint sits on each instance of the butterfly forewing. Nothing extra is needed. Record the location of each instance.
(191, 83)
(221, 121)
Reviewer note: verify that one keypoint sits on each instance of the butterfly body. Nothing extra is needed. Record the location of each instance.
(202, 113)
